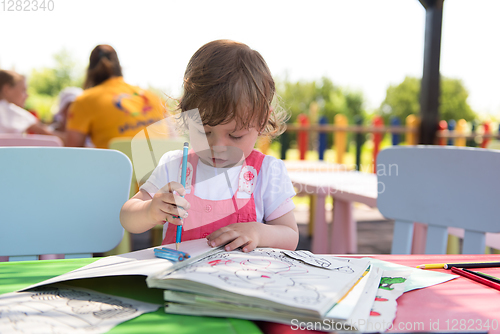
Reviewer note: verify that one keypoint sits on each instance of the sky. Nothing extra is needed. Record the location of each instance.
(362, 45)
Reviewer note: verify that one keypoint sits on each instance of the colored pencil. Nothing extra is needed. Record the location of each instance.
(472, 265)
(459, 265)
(483, 275)
(432, 266)
(497, 278)
(476, 278)
(183, 182)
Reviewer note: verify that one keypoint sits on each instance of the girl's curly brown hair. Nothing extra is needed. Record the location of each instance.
(227, 81)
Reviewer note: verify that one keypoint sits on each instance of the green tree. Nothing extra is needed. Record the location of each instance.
(45, 84)
(404, 99)
(51, 80)
(454, 101)
(297, 98)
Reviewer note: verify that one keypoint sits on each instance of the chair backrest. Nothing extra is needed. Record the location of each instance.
(61, 200)
(442, 186)
(145, 153)
(16, 139)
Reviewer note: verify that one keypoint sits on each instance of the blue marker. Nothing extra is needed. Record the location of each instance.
(168, 256)
(186, 255)
(172, 252)
(183, 182)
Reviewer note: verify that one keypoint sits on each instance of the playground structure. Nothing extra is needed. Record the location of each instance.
(457, 133)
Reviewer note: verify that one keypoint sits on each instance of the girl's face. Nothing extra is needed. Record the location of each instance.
(15, 94)
(222, 145)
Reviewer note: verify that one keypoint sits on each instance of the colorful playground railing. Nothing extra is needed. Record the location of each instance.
(449, 133)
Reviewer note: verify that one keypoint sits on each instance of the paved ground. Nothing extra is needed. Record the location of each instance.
(374, 231)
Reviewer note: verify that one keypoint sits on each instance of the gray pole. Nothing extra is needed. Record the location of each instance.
(430, 91)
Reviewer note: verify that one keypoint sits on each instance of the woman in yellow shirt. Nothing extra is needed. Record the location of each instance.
(109, 107)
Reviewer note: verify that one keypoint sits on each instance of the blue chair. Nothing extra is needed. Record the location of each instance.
(441, 186)
(61, 201)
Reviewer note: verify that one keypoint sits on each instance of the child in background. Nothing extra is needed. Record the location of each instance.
(13, 95)
(235, 195)
(66, 98)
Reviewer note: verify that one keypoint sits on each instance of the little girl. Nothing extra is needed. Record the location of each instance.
(13, 95)
(235, 195)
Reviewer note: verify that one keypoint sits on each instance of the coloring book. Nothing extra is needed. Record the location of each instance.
(263, 284)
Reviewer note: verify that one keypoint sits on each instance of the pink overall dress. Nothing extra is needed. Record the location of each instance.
(207, 216)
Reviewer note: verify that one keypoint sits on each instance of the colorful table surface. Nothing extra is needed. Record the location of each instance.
(457, 305)
(18, 275)
(460, 305)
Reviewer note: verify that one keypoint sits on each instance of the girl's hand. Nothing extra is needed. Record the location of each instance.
(244, 235)
(167, 204)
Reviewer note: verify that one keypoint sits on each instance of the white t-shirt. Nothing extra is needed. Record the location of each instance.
(273, 188)
(14, 119)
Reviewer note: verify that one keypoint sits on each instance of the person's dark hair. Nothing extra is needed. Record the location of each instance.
(10, 78)
(103, 64)
(227, 81)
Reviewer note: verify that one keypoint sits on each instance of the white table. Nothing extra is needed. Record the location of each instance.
(345, 187)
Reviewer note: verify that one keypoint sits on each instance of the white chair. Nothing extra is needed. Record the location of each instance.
(61, 201)
(441, 186)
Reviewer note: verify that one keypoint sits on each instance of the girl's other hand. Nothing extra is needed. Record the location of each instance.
(244, 235)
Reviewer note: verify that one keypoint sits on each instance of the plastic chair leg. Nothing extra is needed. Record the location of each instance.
(320, 236)
(453, 246)
(343, 237)
(312, 214)
(419, 238)
(51, 257)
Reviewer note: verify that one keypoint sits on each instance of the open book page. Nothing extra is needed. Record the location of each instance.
(251, 314)
(383, 312)
(142, 262)
(345, 307)
(189, 303)
(264, 277)
(321, 261)
(66, 309)
(418, 278)
(361, 313)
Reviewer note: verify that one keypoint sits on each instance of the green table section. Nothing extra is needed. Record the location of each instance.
(18, 275)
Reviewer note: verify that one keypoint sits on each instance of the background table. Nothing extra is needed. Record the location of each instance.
(18, 275)
(345, 187)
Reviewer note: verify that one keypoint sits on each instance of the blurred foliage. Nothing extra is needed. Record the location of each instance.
(454, 101)
(42, 105)
(404, 99)
(50, 81)
(297, 98)
(319, 98)
(45, 84)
